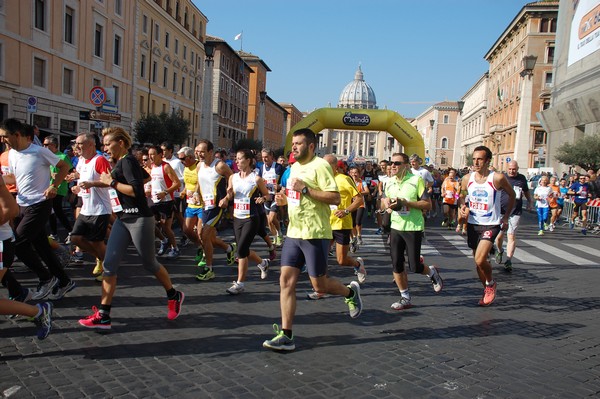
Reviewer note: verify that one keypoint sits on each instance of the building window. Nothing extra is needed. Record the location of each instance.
(69, 17)
(550, 55)
(446, 119)
(165, 76)
(143, 66)
(40, 14)
(96, 82)
(547, 25)
(443, 161)
(175, 81)
(145, 24)
(191, 56)
(118, 7)
(117, 50)
(68, 81)
(116, 98)
(183, 85)
(98, 41)
(166, 39)
(154, 71)
(156, 32)
(153, 109)
(548, 79)
(176, 46)
(371, 151)
(540, 137)
(142, 108)
(444, 142)
(39, 72)
(184, 52)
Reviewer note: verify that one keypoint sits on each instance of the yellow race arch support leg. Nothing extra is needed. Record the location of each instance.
(362, 119)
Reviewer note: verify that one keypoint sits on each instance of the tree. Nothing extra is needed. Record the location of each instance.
(156, 129)
(584, 153)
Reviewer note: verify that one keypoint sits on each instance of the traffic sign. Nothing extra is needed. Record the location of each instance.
(97, 96)
(32, 104)
(508, 159)
(106, 107)
(104, 116)
(84, 115)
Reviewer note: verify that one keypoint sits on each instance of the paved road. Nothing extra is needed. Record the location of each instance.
(539, 339)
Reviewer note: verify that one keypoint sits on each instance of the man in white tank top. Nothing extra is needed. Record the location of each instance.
(483, 212)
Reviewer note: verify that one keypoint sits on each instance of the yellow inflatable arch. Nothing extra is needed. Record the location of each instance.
(362, 119)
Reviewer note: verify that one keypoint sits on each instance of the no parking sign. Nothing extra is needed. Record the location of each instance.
(97, 96)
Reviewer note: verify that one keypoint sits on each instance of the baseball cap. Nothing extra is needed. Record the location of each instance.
(292, 159)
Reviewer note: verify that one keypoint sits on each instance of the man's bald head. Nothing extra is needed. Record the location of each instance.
(512, 168)
(332, 159)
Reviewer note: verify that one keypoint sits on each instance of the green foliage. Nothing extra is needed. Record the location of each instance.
(584, 153)
(248, 144)
(469, 159)
(156, 129)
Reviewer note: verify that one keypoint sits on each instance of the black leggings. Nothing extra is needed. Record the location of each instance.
(409, 241)
(57, 206)
(357, 217)
(245, 230)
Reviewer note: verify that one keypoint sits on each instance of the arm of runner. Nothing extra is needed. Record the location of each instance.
(224, 202)
(173, 176)
(328, 197)
(223, 169)
(463, 209)
(501, 181)
(8, 206)
(262, 187)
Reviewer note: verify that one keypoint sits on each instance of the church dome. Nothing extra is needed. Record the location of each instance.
(358, 94)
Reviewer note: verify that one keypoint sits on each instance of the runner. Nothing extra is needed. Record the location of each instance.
(249, 193)
(310, 190)
(580, 190)
(450, 189)
(271, 173)
(484, 215)
(134, 223)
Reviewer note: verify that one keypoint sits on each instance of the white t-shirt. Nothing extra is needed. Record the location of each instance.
(424, 173)
(178, 167)
(542, 193)
(31, 168)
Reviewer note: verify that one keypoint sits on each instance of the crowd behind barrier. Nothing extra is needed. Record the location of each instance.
(593, 215)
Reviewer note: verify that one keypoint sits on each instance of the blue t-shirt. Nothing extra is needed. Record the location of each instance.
(581, 191)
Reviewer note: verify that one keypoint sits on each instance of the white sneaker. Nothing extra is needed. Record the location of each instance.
(264, 270)
(173, 253)
(361, 272)
(44, 288)
(436, 280)
(235, 289)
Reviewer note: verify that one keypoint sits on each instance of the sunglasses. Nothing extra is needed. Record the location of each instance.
(397, 163)
(182, 158)
(145, 159)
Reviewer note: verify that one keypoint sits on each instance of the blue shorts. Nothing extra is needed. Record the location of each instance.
(193, 212)
(297, 252)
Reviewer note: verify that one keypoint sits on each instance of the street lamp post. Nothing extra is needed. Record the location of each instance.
(261, 117)
(522, 141)
(207, 129)
(433, 143)
(458, 163)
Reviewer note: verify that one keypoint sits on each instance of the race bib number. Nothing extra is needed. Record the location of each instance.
(437, 190)
(155, 192)
(518, 192)
(271, 185)
(114, 200)
(241, 208)
(192, 197)
(209, 201)
(449, 194)
(84, 193)
(404, 211)
(583, 193)
(293, 197)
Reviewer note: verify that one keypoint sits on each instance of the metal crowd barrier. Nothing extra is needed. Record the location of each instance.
(593, 215)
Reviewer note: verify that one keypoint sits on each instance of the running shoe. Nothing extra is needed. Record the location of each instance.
(360, 271)
(508, 266)
(353, 245)
(551, 227)
(174, 306)
(205, 274)
(163, 248)
(173, 253)
(436, 280)
(489, 294)
(571, 224)
(458, 228)
(379, 231)
(231, 254)
(541, 233)
(278, 241)
(44, 288)
(44, 320)
(99, 268)
(360, 240)
(272, 253)
(68, 239)
(332, 251)
(402, 304)
(280, 342)
(499, 256)
(545, 226)
(53, 237)
(97, 320)
(445, 222)
(584, 231)
(184, 242)
(77, 257)
(315, 296)
(354, 303)
(199, 255)
(59, 292)
(264, 269)
(235, 289)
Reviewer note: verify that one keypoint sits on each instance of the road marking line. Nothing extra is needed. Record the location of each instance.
(569, 257)
(459, 243)
(524, 257)
(585, 249)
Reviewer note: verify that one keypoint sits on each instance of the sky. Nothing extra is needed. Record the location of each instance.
(413, 53)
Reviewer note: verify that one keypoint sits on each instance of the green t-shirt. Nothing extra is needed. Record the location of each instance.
(309, 219)
(347, 190)
(63, 189)
(411, 188)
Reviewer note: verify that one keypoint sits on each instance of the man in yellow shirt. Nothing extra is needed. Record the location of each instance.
(341, 221)
(310, 190)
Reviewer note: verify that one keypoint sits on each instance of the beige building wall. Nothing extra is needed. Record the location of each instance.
(169, 60)
(575, 107)
(439, 138)
(531, 32)
(258, 84)
(473, 120)
(57, 52)
(275, 124)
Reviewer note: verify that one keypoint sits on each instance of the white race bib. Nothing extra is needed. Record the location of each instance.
(114, 200)
(241, 208)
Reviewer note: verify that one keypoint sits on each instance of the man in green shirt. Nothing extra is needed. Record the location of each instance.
(406, 198)
(310, 190)
(51, 142)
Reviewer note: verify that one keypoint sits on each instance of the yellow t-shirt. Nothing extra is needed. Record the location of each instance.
(309, 219)
(347, 190)
(190, 180)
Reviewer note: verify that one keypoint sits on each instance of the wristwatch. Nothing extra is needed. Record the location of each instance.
(113, 183)
(305, 190)
(346, 211)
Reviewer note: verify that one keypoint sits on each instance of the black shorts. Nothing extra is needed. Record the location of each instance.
(409, 242)
(342, 237)
(297, 252)
(179, 205)
(271, 206)
(163, 210)
(211, 217)
(476, 233)
(92, 228)
(579, 205)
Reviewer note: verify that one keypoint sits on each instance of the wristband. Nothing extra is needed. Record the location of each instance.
(113, 183)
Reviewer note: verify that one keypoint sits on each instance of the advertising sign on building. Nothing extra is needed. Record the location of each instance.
(585, 30)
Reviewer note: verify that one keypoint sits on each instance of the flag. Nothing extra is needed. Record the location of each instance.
(238, 36)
